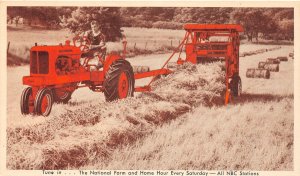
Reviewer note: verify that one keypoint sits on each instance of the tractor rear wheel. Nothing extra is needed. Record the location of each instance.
(236, 86)
(43, 102)
(25, 100)
(61, 95)
(119, 81)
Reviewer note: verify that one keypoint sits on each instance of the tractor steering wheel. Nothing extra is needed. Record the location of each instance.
(84, 43)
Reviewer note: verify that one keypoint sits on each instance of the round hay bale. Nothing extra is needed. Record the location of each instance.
(261, 51)
(252, 52)
(140, 69)
(272, 67)
(145, 69)
(134, 68)
(246, 53)
(291, 55)
(273, 61)
(282, 58)
(261, 64)
(257, 73)
(250, 72)
(266, 74)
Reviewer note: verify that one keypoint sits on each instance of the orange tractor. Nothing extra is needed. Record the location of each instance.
(56, 71)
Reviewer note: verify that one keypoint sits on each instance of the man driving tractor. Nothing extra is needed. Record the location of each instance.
(97, 49)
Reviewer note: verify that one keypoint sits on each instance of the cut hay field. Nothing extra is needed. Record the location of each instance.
(181, 124)
(218, 138)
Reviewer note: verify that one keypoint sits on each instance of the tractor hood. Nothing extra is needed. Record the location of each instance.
(58, 49)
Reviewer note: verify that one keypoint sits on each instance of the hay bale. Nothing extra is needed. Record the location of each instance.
(145, 69)
(272, 67)
(282, 58)
(257, 73)
(261, 65)
(140, 69)
(246, 53)
(273, 61)
(250, 73)
(134, 68)
(261, 51)
(252, 53)
(291, 55)
(242, 55)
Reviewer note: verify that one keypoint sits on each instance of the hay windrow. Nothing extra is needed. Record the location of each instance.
(193, 84)
(95, 131)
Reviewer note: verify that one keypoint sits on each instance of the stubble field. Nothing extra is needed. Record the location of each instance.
(182, 124)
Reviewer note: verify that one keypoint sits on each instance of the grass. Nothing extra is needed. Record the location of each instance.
(14, 60)
(226, 138)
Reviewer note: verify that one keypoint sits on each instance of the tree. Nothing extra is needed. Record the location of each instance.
(48, 16)
(253, 21)
(15, 13)
(184, 15)
(145, 16)
(287, 29)
(284, 13)
(108, 17)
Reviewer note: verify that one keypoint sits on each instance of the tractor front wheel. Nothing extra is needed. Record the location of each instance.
(43, 102)
(119, 81)
(26, 101)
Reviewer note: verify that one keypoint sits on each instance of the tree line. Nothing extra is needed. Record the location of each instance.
(267, 23)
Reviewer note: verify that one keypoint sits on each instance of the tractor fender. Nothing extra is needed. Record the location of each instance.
(109, 60)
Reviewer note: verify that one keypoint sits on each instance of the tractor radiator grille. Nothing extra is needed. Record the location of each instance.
(39, 63)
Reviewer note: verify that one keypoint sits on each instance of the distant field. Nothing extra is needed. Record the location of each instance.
(140, 41)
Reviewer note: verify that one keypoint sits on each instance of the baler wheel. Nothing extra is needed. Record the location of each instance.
(25, 100)
(61, 95)
(236, 86)
(43, 102)
(119, 81)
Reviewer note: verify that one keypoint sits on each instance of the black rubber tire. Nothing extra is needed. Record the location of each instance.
(38, 101)
(112, 79)
(62, 99)
(236, 86)
(25, 100)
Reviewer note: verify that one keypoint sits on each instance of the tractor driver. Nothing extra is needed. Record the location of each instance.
(97, 48)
